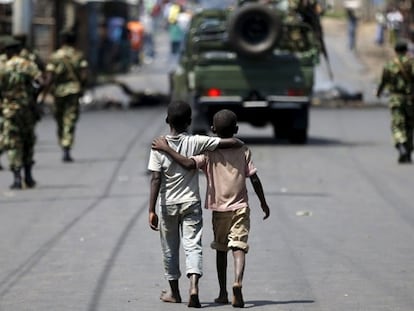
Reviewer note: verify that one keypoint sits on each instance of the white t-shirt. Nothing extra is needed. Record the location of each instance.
(179, 185)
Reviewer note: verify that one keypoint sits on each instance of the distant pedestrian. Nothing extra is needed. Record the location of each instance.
(180, 203)
(226, 171)
(125, 50)
(398, 78)
(175, 31)
(176, 34)
(149, 45)
(380, 27)
(352, 28)
(67, 77)
(184, 19)
(136, 38)
(17, 77)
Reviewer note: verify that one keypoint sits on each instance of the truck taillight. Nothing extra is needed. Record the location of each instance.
(213, 92)
(295, 92)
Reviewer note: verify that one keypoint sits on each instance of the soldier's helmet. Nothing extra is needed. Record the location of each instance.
(401, 47)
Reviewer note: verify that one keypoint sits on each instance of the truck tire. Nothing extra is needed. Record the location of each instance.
(254, 30)
(292, 125)
(298, 136)
(199, 119)
(280, 132)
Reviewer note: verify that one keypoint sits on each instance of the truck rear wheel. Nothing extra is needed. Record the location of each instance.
(298, 136)
(291, 128)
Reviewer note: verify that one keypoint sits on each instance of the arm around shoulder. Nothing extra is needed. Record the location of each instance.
(161, 144)
(233, 142)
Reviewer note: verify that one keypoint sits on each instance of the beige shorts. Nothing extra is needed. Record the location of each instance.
(231, 229)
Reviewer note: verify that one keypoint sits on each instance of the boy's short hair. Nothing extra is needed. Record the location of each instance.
(225, 122)
(179, 114)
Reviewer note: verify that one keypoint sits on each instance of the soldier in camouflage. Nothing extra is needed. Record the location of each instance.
(17, 77)
(398, 78)
(30, 55)
(67, 75)
(3, 59)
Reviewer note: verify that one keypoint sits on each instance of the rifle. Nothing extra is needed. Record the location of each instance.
(36, 108)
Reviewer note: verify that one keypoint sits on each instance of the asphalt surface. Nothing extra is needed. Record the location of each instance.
(338, 238)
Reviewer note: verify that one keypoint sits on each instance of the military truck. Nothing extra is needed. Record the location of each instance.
(256, 59)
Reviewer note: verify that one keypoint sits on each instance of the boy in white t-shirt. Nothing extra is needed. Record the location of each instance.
(180, 204)
(226, 171)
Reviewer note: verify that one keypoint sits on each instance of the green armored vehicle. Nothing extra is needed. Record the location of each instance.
(255, 58)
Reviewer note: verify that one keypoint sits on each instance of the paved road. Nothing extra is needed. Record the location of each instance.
(339, 236)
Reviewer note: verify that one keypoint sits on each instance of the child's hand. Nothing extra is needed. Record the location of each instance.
(266, 211)
(153, 221)
(159, 143)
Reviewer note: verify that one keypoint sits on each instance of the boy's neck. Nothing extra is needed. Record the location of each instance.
(175, 132)
(224, 136)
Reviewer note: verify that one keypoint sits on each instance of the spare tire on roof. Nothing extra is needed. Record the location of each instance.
(254, 29)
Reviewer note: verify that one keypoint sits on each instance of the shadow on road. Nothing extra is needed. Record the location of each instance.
(259, 303)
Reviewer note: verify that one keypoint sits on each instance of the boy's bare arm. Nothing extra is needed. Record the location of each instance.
(258, 188)
(161, 144)
(155, 189)
(227, 143)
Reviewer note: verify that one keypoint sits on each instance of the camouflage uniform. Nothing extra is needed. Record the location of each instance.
(16, 79)
(3, 59)
(398, 78)
(33, 57)
(66, 65)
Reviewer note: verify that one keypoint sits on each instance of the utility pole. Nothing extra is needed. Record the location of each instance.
(22, 17)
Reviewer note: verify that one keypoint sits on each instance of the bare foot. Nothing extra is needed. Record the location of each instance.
(194, 302)
(168, 297)
(222, 300)
(237, 297)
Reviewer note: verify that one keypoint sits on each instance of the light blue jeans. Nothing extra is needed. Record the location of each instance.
(181, 222)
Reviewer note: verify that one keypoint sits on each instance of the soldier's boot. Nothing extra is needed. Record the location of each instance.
(403, 153)
(17, 182)
(28, 178)
(66, 155)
